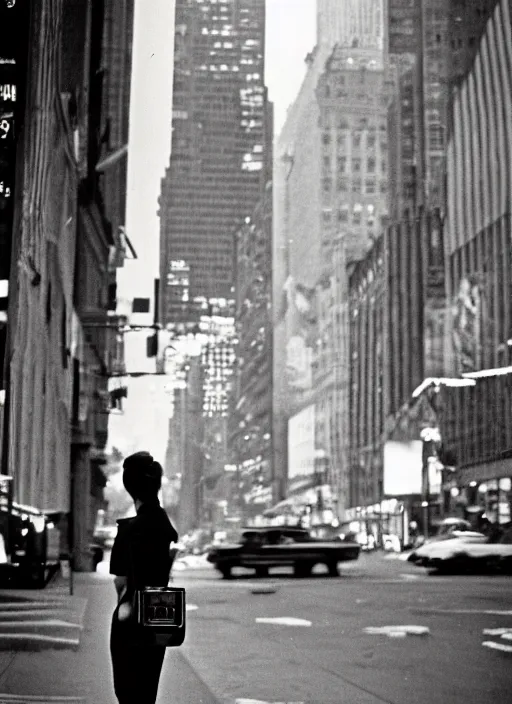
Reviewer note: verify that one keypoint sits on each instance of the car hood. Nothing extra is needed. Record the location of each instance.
(449, 548)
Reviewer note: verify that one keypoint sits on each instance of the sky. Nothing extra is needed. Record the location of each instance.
(290, 35)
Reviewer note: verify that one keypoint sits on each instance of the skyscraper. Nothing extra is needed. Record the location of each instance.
(351, 23)
(216, 168)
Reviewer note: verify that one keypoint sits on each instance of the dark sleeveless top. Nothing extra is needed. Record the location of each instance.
(141, 548)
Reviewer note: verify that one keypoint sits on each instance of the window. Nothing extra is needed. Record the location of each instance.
(370, 186)
(370, 165)
(343, 214)
(356, 165)
(342, 164)
(327, 184)
(356, 140)
(326, 138)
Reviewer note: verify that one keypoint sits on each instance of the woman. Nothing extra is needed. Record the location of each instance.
(140, 557)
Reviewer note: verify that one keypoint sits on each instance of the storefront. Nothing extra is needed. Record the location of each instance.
(384, 524)
(481, 500)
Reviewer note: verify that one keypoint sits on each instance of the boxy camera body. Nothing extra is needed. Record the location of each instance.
(162, 614)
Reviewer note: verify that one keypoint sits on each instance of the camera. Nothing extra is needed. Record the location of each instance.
(161, 613)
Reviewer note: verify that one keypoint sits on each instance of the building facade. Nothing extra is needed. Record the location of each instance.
(350, 23)
(296, 261)
(475, 421)
(334, 148)
(250, 432)
(218, 142)
(59, 343)
(367, 355)
(352, 98)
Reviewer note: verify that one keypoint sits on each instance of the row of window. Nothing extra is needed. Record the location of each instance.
(356, 186)
(356, 218)
(343, 162)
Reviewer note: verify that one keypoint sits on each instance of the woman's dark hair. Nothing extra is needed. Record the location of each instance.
(142, 476)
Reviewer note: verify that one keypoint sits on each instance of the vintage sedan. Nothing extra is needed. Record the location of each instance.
(466, 552)
(262, 548)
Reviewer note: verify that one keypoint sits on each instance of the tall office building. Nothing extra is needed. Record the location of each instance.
(218, 141)
(351, 23)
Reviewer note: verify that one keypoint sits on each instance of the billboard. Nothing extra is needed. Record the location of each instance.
(301, 443)
(403, 468)
(466, 325)
(300, 317)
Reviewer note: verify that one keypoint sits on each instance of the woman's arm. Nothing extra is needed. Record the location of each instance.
(120, 585)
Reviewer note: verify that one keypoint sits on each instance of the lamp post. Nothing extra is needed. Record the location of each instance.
(432, 435)
(429, 436)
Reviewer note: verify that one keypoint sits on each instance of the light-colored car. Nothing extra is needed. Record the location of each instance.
(467, 551)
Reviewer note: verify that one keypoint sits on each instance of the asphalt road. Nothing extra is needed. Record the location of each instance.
(327, 657)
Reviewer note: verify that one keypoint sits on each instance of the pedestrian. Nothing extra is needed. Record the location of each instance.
(140, 558)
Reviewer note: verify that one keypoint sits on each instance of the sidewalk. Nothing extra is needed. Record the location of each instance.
(41, 618)
(82, 675)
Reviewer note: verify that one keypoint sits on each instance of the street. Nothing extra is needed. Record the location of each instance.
(298, 641)
(328, 658)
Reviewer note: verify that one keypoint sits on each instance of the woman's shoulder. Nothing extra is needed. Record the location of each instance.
(123, 526)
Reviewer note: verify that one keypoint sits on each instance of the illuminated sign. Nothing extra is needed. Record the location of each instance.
(403, 462)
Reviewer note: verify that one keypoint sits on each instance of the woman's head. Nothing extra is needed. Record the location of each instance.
(142, 476)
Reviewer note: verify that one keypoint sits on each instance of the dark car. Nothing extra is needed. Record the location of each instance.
(262, 548)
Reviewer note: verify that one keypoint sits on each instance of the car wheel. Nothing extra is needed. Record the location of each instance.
(261, 571)
(302, 569)
(459, 564)
(332, 568)
(506, 565)
(494, 564)
(225, 571)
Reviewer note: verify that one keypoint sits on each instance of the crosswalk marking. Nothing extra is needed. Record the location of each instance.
(503, 634)
(261, 701)
(284, 621)
(497, 646)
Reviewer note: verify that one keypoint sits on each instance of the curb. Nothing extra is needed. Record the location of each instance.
(54, 628)
(36, 642)
(23, 698)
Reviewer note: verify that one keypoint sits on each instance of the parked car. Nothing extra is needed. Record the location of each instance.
(467, 551)
(262, 548)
